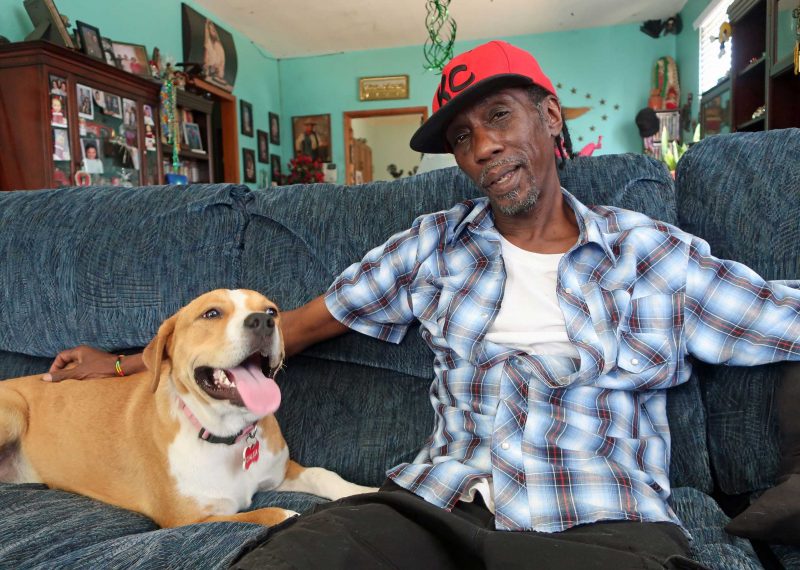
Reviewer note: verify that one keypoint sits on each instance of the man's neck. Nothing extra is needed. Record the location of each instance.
(549, 227)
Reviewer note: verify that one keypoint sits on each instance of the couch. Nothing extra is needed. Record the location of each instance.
(104, 266)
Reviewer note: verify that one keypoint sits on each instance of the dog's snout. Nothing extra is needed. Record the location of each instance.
(259, 323)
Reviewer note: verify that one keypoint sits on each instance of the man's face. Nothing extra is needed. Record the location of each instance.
(504, 143)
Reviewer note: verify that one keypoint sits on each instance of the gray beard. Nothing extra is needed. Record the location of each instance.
(522, 206)
(519, 207)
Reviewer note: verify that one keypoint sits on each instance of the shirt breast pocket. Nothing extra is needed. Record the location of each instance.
(645, 359)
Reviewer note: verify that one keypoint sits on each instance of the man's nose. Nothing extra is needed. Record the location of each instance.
(485, 144)
(259, 323)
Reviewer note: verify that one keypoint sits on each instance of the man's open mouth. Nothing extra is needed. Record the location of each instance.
(250, 384)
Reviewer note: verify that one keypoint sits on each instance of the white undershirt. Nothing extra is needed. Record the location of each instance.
(530, 317)
(529, 320)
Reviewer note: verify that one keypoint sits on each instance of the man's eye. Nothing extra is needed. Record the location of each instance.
(500, 114)
(212, 314)
(458, 139)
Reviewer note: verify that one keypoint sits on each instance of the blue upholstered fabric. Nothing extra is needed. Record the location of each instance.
(45, 529)
(741, 193)
(105, 266)
(711, 545)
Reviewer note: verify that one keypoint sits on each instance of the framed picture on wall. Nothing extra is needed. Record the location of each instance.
(312, 136)
(275, 163)
(263, 146)
(249, 161)
(205, 41)
(274, 129)
(246, 117)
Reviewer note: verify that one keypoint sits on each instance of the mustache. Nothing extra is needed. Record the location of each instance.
(515, 160)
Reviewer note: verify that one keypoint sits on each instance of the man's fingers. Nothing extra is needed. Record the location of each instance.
(58, 375)
(63, 358)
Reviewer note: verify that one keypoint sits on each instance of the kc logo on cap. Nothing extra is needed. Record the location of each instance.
(467, 77)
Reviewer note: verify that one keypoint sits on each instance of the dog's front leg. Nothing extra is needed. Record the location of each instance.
(268, 516)
(319, 481)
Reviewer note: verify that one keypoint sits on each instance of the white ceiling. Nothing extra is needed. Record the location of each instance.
(295, 28)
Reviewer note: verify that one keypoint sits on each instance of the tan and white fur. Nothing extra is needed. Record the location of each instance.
(126, 441)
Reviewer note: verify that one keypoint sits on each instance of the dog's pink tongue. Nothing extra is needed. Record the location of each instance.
(260, 394)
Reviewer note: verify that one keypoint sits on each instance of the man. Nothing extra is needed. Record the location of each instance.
(556, 330)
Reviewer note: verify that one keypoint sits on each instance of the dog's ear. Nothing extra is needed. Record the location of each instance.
(155, 352)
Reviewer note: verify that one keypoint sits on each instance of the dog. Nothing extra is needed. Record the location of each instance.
(189, 440)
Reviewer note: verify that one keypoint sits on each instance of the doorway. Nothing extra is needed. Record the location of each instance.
(376, 143)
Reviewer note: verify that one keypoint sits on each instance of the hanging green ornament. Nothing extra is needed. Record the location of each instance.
(439, 50)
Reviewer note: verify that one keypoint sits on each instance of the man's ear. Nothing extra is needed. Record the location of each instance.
(155, 352)
(552, 113)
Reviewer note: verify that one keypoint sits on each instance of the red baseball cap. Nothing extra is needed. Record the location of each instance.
(470, 76)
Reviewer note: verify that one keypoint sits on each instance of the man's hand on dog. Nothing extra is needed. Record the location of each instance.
(83, 362)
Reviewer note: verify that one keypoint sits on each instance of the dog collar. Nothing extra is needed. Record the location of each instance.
(206, 435)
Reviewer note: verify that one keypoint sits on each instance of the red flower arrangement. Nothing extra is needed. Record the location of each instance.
(304, 170)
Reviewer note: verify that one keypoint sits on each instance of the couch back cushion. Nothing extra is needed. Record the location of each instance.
(301, 237)
(104, 266)
(741, 193)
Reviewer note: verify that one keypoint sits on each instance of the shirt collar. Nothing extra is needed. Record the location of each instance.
(480, 220)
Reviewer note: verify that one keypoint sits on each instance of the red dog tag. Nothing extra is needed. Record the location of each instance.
(250, 454)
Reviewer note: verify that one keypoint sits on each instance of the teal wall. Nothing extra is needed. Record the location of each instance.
(158, 23)
(613, 65)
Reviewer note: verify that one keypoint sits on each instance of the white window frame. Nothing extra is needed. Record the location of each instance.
(711, 66)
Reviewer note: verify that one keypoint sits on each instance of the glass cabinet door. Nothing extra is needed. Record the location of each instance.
(109, 138)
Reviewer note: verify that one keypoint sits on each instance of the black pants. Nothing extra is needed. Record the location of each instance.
(396, 529)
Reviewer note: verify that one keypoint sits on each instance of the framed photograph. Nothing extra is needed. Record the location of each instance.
(263, 146)
(246, 117)
(90, 149)
(132, 58)
(149, 117)
(192, 138)
(275, 163)
(108, 51)
(274, 129)
(85, 104)
(249, 161)
(47, 23)
(58, 85)
(113, 105)
(58, 110)
(60, 145)
(312, 136)
(91, 41)
(382, 88)
(129, 118)
(204, 41)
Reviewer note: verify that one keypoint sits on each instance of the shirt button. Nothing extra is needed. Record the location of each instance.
(485, 315)
(634, 361)
(505, 445)
(568, 291)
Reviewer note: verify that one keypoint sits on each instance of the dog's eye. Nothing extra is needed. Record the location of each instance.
(212, 314)
(271, 312)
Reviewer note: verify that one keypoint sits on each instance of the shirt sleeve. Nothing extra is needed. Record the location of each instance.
(372, 295)
(734, 316)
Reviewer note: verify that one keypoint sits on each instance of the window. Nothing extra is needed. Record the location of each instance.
(714, 64)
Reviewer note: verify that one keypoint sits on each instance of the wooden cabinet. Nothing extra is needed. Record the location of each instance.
(764, 89)
(67, 119)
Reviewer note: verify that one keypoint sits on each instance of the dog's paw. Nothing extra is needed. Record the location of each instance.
(290, 514)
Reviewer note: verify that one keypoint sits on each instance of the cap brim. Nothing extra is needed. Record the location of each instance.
(430, 138)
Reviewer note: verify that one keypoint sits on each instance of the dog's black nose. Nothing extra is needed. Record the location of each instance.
(259, 323)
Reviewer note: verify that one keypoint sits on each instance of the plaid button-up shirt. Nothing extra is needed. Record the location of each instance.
(565, 441)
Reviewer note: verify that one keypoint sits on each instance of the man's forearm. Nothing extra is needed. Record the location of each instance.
(309, 324)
